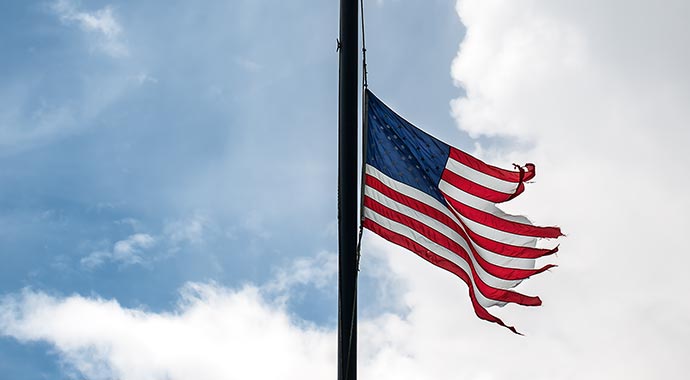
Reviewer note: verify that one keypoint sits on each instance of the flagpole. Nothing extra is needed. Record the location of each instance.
(347, 190)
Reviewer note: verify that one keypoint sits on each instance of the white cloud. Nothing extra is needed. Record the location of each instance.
(215, 333)
(599, 90)
(190, 230)
(136, 248)
(248, 332)
(318, 271)
(220, 333)
(127, 252)
(100, 23)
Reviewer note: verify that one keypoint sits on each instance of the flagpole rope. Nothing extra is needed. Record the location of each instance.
(365, 85)
(364, 49)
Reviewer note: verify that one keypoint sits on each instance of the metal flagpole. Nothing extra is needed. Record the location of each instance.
(347, 190)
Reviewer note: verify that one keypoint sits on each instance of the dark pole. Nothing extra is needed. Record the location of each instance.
(347, 190)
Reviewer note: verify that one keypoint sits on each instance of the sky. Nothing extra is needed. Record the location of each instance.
(168, 187)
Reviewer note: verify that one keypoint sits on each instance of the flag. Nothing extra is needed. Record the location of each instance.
(440, 203)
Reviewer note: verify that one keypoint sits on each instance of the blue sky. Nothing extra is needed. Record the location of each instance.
(164, 160)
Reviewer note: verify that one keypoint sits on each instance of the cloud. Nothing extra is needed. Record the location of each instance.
(194, 233)
(101, 23)
(249, 332)
(126, 252)
(600, 105)
(318, 271)
(190, 230)
(214, 333)
(236, 333)
(175, 236)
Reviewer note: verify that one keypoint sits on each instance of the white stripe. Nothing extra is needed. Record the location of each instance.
(486, 278)
(479, 203)
(498, 235)
(491, 257)
(449, 190)
(409, 191)
(432, 247)
(441, 228)
(480, 178)
(487, 231)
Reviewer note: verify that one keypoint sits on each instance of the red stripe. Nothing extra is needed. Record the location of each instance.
(489, 245)
(434, 259)
(437, 237)
(413, 203)
(478, 165)
(496, 222)
(444, 241)
(508, 249)
(478, 190)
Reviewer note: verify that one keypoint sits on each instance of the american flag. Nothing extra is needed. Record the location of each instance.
(440, 203)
